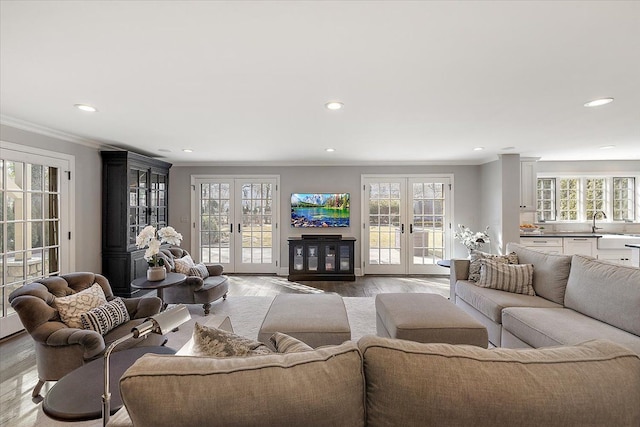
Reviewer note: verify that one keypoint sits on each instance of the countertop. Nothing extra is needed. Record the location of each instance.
(561, 234)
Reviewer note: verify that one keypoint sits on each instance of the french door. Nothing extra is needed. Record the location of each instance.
(236, 223)
(35, 211)
(406, 224)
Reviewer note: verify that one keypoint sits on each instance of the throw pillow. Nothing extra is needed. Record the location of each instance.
(477, 256)
(106, 317)
(516, 278)
(184, 264)
(199, 270)
(208, 341)
(287, 344)
(71, 307)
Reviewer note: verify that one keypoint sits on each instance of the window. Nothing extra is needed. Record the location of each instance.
(546, 199)
(623, 199)
(580, 198)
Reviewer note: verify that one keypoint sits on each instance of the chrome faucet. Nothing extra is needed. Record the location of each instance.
(593, 227)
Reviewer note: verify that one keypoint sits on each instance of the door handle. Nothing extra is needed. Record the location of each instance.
(410, 228)
(239, 228)
(231, 227)
(402, 228)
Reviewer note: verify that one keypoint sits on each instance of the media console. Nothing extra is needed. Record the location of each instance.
(321, 257)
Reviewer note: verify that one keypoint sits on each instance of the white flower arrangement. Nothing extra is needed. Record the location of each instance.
(470, 239)
(149, 237)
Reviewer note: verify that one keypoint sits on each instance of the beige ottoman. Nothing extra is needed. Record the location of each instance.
(316, 319)
(427, 318)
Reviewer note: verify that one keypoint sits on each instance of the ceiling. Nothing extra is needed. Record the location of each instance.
(246, 82)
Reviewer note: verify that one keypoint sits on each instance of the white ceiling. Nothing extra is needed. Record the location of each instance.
(245, 82)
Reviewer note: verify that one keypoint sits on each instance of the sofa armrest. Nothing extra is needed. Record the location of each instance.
(140, 308)
(193, 282)
(459, 271)
(214, 269)
(91, 341)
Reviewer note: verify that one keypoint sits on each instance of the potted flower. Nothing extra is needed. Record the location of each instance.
(470, 239)
(152, 239)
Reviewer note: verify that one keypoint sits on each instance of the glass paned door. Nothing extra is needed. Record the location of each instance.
(31, 193)
(384, 226)
(429, 227)
(237, 223)
(406, 222)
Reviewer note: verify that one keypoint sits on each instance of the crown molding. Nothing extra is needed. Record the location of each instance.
(53, 133)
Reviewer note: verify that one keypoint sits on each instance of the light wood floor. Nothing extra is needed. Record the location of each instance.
(18, 372)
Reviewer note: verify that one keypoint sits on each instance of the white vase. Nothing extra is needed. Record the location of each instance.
(155, 274)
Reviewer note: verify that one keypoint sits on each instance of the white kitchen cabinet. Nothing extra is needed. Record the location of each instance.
(580, 246)
(546, 244)
(619, 256)
(528, 177)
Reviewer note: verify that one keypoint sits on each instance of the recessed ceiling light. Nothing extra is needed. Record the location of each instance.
(607, 147)
(508, 148)
(85, 107)
(478, 149)
(598, 102)
(187, 150)
(329, 150)
(334, 105)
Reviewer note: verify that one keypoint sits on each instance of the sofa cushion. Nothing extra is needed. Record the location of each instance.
(514, 278)
(605, 291)
(104, 318)
(71, 307)
(477, 256)
(538, 327)
(550, 271)
(211, 341)
(415, 384)
(320, 387)
(490, 302)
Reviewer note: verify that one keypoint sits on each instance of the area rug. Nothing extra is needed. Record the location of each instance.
(247, 312)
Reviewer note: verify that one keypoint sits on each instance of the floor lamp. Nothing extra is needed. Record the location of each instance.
(161, 323)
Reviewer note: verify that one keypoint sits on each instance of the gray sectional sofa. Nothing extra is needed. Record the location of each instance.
(388, 382)
(578, 298)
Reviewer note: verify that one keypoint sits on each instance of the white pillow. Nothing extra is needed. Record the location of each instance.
(71, 307)
(184, 264)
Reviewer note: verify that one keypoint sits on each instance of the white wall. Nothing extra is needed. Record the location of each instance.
(87, 222)
(324, 179)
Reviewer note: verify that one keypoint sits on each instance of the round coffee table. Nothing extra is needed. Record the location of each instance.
(170, 280)
(78, 395)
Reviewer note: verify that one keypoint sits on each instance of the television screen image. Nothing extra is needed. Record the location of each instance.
(320, 210)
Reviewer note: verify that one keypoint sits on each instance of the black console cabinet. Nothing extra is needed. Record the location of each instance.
(321, 257)
(135, 193)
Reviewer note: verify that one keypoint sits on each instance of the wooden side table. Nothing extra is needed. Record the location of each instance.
(170, 280)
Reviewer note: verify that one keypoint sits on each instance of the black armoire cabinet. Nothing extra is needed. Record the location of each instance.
(135, 193)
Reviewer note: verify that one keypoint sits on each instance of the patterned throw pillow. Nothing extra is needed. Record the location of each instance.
(516, 278)
(71, 307)
(199, 270)
(287, 344)
(477, 256)
(208, 341)
(104, 318)
(184, 264)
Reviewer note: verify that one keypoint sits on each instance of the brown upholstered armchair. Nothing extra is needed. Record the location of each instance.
(194, 290)
(61, 349)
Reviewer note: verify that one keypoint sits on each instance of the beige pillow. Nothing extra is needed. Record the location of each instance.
(516, 278)
(284, 343)
(199, 270)
(184, 264)
(477, 256)
(208, 341)
(73, 306)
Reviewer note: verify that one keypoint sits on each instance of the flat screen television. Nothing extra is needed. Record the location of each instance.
(319, 210)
